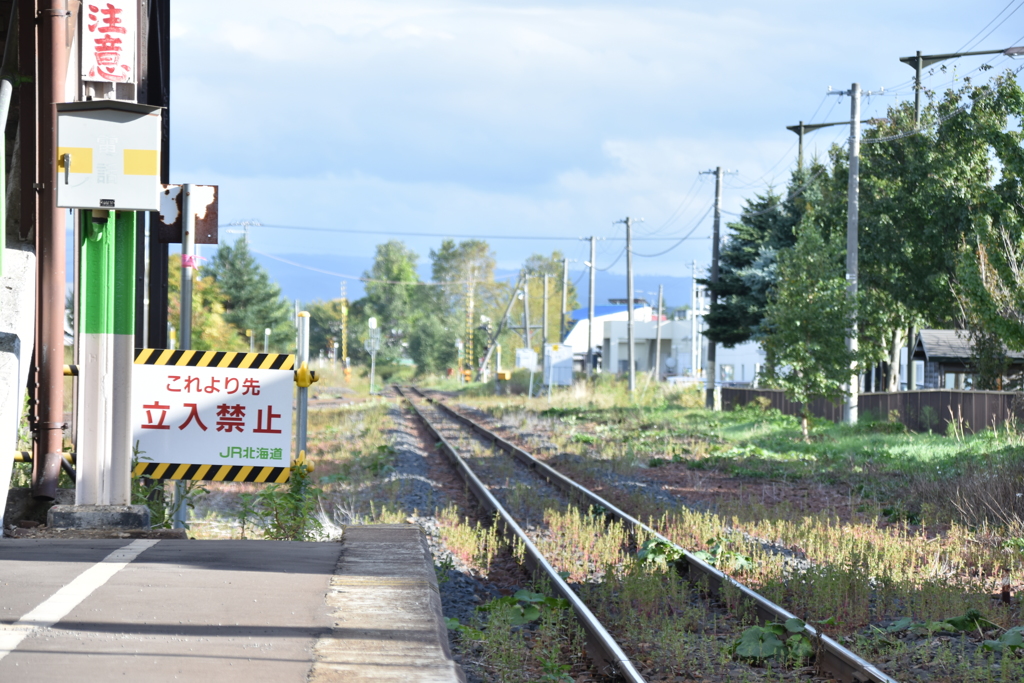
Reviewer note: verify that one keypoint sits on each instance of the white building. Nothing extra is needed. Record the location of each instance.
(677, 359)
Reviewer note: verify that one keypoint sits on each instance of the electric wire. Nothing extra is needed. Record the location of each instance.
(661, 253)
(971, 39)
(688, 199)
(369, 279)
(982, 39)
(775, 207)
(390, 233)
(608, 267)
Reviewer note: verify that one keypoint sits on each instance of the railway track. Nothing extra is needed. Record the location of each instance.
(832, 658)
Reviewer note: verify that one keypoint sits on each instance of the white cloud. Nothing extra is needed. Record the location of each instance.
(552, 118)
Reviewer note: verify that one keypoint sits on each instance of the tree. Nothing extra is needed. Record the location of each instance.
(210, 331)
(324, 326)
(989, 281)
(251, 300)
(807, 318)
(537, 266)
(392, 295)
(746, 270)
(432, 344)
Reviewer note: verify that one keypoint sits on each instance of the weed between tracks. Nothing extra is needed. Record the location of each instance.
(861, 528)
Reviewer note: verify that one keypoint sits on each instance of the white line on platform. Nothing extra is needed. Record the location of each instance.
(58, 605)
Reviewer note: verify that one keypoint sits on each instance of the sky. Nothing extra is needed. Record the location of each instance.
(418, 119)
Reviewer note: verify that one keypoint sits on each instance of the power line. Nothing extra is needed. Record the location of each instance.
(660, 253)
(390, 233)
(775, 207)
(369, 279)
(980, 40)
(613, 262)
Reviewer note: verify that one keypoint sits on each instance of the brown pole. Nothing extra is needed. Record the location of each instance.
(52, 26)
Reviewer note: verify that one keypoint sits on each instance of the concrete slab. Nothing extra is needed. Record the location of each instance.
(363, 609)
(388, 624)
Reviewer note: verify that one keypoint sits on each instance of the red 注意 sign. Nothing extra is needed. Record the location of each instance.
(109, 37)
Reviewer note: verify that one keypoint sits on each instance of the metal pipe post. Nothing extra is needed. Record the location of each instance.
(52, 30)
(657, 337)
(188, 250)
(800, 148)
(526, 311)
(6, 88)
(631, 355)
(544, 316)
(911, 369)
(694, 343)
(266, 340)
(590, 310)
(565, 293)
(917, 90)
(302, 358)
(852, 216)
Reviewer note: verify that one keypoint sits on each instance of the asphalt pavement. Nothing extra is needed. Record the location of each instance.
(149, 610)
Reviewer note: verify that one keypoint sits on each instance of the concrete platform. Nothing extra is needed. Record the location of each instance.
(163, 610)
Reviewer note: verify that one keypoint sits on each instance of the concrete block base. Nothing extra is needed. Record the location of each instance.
(98, 517)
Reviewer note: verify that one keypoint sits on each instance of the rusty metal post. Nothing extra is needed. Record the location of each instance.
(52, 28)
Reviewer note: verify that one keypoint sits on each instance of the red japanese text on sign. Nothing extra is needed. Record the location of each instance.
(109, 43)
(206, 415)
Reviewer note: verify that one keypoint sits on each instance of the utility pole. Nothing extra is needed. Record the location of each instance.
(51, 21)
(694, 341)
(590, 309)
(344, 328)
(565, 292)
(469, 321)
(631, 355)
(852, 244)
(657, 337)
(713, 400)
(544, 317)
(526, 311)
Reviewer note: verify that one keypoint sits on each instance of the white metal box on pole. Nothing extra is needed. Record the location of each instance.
(557, 365)
(526, 358)
(108, 156)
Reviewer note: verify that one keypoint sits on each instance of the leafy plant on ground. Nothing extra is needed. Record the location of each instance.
(525, 605)
(284, 512)
(1011, 640)
(787, 642)
(154, 494)
(717, 556)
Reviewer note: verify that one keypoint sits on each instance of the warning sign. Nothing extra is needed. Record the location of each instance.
(205, 413)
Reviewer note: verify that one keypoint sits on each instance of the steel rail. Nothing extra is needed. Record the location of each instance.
(845, 665)
(601, 646)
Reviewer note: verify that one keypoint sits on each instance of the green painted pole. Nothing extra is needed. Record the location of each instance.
(107, 329)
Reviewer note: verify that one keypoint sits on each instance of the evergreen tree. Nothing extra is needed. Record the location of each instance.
(210, 331)
(251, 300)
(807, 319)
(393, 296)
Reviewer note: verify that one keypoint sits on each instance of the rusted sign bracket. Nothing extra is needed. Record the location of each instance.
(204, 204)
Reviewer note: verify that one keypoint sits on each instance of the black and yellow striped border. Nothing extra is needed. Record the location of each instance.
(260, 475)
(215, 359)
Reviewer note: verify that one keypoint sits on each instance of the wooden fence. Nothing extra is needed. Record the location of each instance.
(920, 411)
